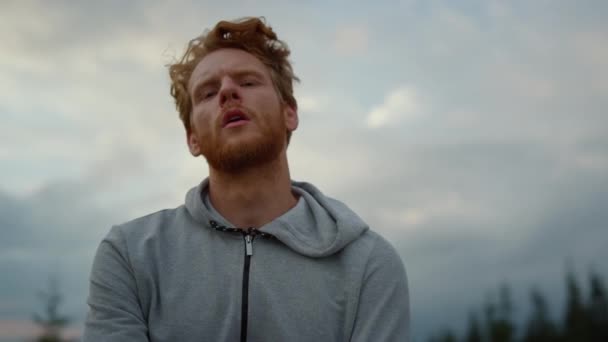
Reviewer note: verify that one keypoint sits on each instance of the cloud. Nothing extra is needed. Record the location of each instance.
(428, 207)
(310, 104)
(477, 263)
(466, 218)
(351, 40)
(54, 232)
(399, 104)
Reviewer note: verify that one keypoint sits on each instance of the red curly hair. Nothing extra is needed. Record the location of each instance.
(249, 34)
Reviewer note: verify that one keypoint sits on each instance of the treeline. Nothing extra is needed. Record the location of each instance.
(584, 317)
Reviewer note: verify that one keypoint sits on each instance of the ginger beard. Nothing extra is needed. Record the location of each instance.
(237, 154)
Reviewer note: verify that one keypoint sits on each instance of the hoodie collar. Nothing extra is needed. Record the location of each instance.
(317, 226)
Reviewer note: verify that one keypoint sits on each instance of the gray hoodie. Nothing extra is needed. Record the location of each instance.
(316, 273)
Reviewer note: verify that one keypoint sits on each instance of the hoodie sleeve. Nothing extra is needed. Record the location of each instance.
(114, 310)
(383, 310)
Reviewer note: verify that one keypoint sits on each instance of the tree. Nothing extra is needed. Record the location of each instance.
(51, 321)
(597, 306)
(499, 324)
(445, 336)
(473, 332)
(575, 321)
(584, 319)
(540, 328)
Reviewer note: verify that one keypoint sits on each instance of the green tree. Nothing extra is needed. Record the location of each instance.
(445, 336)
(575, 321)
(499, 324)
(540, 328)
(474, 331)
(584, 319)
(597, 307)
(51, 321)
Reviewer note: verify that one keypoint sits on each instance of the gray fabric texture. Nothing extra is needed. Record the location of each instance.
(169, 276)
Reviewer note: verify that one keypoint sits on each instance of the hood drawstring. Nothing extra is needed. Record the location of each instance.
(249, 231)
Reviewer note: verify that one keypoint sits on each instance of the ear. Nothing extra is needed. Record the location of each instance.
(193, 143)
(291, 117)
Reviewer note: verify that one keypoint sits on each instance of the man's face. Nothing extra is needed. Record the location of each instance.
(238, 120)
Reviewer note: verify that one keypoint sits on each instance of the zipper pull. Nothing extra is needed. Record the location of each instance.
(248, 244)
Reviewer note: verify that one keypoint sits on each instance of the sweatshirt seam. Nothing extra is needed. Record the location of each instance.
(359, 286)
(369, 257)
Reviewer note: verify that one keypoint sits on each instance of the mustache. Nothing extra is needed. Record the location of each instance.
(250, 114)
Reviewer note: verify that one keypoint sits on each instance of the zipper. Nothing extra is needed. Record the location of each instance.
(245, 295)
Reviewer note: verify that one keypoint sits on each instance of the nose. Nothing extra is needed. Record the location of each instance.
(229, 92)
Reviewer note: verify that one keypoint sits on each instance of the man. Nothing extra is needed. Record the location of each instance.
(251, 255)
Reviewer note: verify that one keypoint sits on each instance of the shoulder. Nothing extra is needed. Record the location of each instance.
(379, 254)
(382, 248)
(149, 225)
(148, 231)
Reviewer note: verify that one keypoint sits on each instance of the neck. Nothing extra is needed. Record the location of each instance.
(253, 197)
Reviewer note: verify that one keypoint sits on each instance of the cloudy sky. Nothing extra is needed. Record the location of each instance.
(471, 134)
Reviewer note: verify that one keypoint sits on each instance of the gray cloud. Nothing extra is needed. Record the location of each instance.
(536, 211)
(55, 232)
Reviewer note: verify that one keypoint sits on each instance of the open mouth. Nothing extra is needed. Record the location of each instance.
(234, 117)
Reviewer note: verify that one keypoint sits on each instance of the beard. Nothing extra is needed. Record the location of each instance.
(247, 152)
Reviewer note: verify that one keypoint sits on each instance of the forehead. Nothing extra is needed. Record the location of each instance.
(226, 61)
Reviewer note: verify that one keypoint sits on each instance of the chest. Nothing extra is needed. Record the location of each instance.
(263, 290)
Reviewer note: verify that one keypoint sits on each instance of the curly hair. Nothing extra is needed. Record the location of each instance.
(249, 34)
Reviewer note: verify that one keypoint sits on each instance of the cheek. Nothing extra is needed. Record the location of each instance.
(275, 107)
(200, 120)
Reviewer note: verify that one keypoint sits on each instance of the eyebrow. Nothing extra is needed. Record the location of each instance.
(238, 74)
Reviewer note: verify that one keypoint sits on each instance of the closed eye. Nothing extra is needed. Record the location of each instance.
(205, 95)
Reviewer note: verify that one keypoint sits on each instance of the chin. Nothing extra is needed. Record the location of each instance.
(237, 156)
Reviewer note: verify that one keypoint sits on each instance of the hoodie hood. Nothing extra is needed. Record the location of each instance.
(318, 226)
